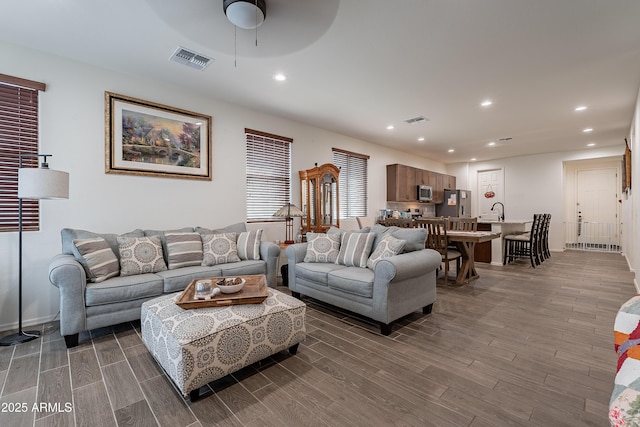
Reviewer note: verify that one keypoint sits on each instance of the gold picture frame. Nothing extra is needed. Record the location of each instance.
(150, 139)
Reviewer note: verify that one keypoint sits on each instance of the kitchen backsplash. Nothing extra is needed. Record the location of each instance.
(416, 208)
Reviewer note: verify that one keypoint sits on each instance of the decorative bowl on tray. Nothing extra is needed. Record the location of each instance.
(230, 285)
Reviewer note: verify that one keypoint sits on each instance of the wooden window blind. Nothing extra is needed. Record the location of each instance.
(352, 183)
(18, 135)
(268, 174)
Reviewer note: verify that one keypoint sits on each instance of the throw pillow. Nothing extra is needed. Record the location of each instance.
(183, 249)
(388, 246)
(416, 238)
(249, 245)
(355, 249)
(98, 260)
(219, 249)
(322, 247)
(140, 255)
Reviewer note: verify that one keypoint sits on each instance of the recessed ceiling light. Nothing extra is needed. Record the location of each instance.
(587, 130)
(580, 108)
(491, 144)
(279, 77)
(486, 103)
(421, 139)
(591, 144)
(450, 150)
(390, 127)
(473, 159)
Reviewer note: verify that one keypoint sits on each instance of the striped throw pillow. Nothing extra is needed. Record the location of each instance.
(97, 258)
(355, 249)
(249, 245)
(183, 249)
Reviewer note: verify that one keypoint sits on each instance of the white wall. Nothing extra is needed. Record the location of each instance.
(72, 129)
(532, 184)
(630, 205)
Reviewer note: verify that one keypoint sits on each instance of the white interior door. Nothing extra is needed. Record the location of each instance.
(597, 206)
(490, 181)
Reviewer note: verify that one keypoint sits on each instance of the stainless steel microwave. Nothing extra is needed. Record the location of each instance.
(425, 193)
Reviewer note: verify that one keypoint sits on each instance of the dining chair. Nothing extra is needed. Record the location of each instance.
(437, 240)
(463, 224)
(364, 221)
(399, 222)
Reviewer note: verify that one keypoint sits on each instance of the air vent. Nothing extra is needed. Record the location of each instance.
(505, 139)
(190, 59)
(419, 119)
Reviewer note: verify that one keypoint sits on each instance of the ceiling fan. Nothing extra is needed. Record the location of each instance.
(290, 25)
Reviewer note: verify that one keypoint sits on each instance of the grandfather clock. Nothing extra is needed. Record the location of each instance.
(319, 198)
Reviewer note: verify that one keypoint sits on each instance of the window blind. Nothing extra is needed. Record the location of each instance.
(352, 183)
(268, 174)
(18, 135)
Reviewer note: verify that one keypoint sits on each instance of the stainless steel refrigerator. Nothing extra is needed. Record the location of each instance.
(457, 203)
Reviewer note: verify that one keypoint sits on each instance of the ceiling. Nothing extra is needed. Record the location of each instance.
(357, 66)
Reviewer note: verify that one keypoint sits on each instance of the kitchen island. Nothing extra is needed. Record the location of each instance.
(496, 247)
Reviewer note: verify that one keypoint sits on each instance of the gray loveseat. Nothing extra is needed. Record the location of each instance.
(395, 286)
(90, 300)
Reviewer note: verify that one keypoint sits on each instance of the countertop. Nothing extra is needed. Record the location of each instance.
(506, 221)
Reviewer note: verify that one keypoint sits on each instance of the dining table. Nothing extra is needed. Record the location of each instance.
(466, 242)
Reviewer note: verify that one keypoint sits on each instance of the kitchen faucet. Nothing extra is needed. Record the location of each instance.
(501, 217)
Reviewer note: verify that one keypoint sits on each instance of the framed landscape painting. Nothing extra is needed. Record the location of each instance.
(144, 138)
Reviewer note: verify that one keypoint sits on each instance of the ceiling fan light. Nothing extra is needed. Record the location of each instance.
(245, 14)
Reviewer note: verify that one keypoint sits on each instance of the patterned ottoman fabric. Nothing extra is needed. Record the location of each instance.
(198, 346)
(624, 407)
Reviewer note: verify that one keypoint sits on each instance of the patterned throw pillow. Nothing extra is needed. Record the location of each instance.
(140, 255)
(98, 259)
(183, 249)
(219, 249)
(249, 245)
(322, 247)
(355, 249)
(388, 246)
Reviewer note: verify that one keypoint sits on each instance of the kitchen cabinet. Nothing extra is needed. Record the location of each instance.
(482, 251)
(319, 198)
(403, 181)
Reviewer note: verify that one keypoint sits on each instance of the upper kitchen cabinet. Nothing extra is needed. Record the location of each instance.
(403, 181)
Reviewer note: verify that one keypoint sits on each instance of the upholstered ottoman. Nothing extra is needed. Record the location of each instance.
(195, 347)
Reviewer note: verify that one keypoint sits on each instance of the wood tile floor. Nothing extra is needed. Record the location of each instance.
(517, 347)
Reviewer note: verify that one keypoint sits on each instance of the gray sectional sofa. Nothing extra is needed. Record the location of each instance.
(97, 290)
(400, 282)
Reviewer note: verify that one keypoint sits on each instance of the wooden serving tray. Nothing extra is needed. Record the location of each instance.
(254, 291)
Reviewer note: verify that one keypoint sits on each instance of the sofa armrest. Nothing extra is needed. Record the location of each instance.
(295, 254)
(69, 276)
(407, 265)
(270, 252)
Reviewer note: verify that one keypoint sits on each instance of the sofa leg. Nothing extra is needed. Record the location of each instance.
(295, 294)
(71, 340)
(293, 349)
(385, 329)
(427, 309)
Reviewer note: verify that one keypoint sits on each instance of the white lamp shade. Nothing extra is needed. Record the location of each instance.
(244, 14)
(288, 211)
(42, 183)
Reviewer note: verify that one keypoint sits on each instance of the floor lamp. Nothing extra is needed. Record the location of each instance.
(288, 211)
(34, 183)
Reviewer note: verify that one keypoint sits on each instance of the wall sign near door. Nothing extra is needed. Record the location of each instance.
(489, 193)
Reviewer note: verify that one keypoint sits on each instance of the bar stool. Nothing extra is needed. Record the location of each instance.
(524, 245)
